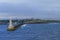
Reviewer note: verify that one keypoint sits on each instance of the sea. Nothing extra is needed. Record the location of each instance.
(50, 31)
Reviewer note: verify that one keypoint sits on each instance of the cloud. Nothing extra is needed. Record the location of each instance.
(46, 5)
(14, 1)
(32, 8)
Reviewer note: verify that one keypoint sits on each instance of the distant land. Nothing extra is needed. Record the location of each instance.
(27, 21)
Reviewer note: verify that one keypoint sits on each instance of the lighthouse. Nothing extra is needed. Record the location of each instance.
(10, 26)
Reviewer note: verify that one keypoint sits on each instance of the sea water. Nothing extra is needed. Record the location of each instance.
(32, 32)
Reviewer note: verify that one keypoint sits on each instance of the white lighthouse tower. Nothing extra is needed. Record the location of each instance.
(10, 27)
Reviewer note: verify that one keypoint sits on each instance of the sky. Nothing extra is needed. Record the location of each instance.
(43, 9)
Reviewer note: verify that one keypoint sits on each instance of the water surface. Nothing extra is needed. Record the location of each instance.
(32, 32)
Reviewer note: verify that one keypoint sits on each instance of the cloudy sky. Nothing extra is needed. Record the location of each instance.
(45, 9)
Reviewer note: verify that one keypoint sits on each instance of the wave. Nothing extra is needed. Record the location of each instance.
(53, 23)
(24, 25)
